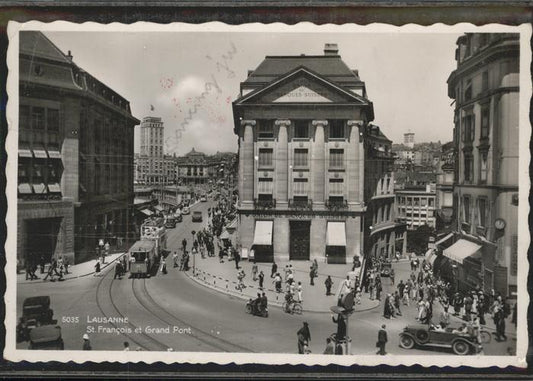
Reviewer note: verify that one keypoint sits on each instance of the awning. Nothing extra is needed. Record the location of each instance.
(24, 153)
(54, 188)
(263, 233)
(40, 154)
(336, 235)
(442, 240)
(429, 254)
(54, 154)
(39, 188)
(461, 250)
(25, 188)
(147, 212)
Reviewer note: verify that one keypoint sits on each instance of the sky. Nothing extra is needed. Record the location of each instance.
(198, 74)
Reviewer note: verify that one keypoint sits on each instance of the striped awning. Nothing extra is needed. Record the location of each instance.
(336, 234)
(39, 188)
(263, 233)
(54, 154)
(23, 152)
(461, 250)
(40, 154)
(54, 188)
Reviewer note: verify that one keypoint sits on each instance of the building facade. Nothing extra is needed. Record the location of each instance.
(75, 159)
(301, 124)
(444, 188)
(409, 139)
(386, 235)
(193, 168)
(485, 87)
(416, 206)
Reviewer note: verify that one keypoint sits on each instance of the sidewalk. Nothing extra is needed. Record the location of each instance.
(222, 277)
(75, 271)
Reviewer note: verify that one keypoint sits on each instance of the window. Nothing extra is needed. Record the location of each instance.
(482, 211)
(388, 185)
(416, 201)
(301, 129)
(37, 117)
(336, 186)
(409, 201)
(265, 185)
(265, 157)
(483, 167)
(485, 122)
(300, 187)
(485, 81)
(24, 118)
(466, 209)
(52, 119)
(431, 202)
(388, 212)
(266, 129)
(424, 201)
(468, 91)
(300, 157)
(336, 129)
(468, 130)
(468, 167)
(336, 158)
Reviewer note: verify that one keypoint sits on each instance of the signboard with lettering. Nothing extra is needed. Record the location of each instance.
(303, 94)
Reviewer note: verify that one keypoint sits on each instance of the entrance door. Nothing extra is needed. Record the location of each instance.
(299, 240)
(41, 236)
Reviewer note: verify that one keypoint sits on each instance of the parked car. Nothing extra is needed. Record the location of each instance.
(203, 198)
(36, 311)
(46, 337)
(197, 216)
(385, 269)
(427, 335)
(178, 218)
(186, 210)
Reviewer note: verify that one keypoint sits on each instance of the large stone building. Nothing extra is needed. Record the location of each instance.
(444, 188)
(75, 158)
(193, 168)
(416, 206)
(301, 122)
(152, 166)
(485, 87)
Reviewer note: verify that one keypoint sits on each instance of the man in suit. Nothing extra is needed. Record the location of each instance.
(382, 340)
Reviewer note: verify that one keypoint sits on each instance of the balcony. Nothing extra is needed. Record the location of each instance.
(264, 204)
(336, 204)
(301, 204)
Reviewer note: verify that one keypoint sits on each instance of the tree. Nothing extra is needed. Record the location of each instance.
(417, 240)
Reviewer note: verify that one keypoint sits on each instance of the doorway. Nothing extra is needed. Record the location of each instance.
(300, 233)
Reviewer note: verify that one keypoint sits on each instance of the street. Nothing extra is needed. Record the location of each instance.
(172, 312)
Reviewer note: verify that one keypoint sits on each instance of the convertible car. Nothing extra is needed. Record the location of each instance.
(426, 335)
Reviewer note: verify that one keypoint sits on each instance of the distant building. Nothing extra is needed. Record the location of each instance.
(152, 166)
(416, 206)
(301, 123)
(193, 168)
(75, 167)
(385, 234)
(485, 87)
(445, 179)
(409, 139)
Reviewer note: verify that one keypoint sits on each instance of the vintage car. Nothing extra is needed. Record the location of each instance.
(46, 337)
(385, 268)
(186, 210)
(427, 335)
(196, 216)
(178, 217)
(36, 311)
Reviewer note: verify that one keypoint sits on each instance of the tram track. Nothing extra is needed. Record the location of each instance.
(104, 297)
(143, 296)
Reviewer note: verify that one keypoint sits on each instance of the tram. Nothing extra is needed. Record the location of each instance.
(142, 257)
(153, 229)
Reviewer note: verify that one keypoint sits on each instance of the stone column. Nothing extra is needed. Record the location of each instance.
(354, 176)
(319, 162)
(246, 169)
(282, 164)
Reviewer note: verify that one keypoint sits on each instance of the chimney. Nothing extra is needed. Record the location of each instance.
(331, 50)
(69, 56)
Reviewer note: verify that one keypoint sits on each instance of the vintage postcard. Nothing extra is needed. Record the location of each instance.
(268, 193)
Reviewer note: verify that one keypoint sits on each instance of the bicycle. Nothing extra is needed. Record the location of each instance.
(293, 307)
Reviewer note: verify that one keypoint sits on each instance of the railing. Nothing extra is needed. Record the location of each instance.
(264, 204)
(337, 204)
(301, 204)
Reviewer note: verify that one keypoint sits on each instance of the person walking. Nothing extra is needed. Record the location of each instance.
(184, 244)
(382, 340)
(392, 276)
(86, 343)
(274, 270)
(330, 347)
(118, 270)
(97, 268)
(254, 271)
(277, 282)
(42, 263)
(328, 282)
(299, 292)
(312, 276)
(237, 257)
(261, 279)
(304, 337)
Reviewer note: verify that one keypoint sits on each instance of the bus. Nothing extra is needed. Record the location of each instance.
(142, 257)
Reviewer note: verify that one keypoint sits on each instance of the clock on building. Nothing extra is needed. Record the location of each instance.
(499, 224)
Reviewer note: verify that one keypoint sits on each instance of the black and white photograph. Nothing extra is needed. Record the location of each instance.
(268, 193)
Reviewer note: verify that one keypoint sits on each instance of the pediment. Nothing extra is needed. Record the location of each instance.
(301, 87)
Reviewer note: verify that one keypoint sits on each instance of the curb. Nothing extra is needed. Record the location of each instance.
(270, 303)
(77, 276)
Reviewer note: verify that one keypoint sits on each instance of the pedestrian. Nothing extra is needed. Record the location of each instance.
(312, 276)
(397, 303)
(382, 340)
(254, 271)
(328, 282)
(277, 282)
(184, 244)
(392, 276)
(444, 318)
(304, 336)
(42, 263)
(330, 347)
(126, 346)
(274, 270)
(300, 298)
(66, 264)
(86, 343)
(379, 289)
(118, 271)
(164, 267)
(261, 279)
(387, 312)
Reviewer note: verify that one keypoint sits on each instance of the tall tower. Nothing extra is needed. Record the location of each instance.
(152, 137)
(409, 139)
